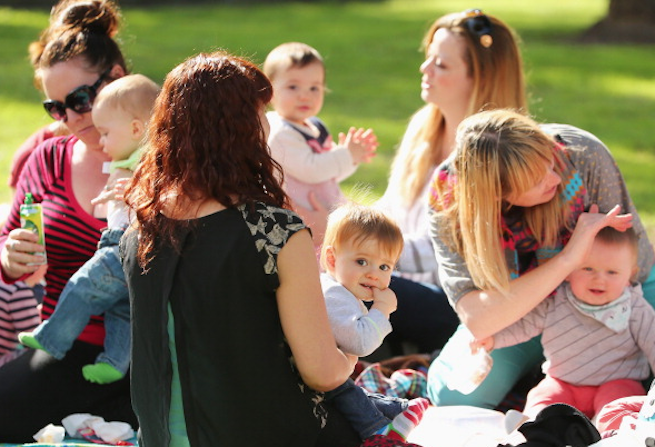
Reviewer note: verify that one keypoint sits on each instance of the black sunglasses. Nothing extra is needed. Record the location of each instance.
(479, 25)
(80, 100)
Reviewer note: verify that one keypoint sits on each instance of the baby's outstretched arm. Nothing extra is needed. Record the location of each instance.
(362, 144)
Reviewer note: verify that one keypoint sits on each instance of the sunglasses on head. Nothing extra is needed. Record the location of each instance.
(80, 100)
(479, 25)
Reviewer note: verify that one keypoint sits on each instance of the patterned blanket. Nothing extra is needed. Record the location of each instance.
(68, 442)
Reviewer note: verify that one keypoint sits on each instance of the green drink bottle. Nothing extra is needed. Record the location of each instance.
(31, 218)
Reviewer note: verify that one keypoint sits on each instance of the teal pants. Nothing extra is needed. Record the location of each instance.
(509, 365)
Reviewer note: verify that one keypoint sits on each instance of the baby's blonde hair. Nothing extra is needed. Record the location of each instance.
(357, 223)
(134, 94)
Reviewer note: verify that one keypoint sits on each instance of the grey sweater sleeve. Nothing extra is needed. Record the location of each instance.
(531, 325)
(604, 183)
(642, 325)
(356, 330)
(454, 276)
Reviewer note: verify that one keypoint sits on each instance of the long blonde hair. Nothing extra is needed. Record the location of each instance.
(499, 153)
(497, 74)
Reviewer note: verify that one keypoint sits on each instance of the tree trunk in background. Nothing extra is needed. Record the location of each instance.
(628, 21)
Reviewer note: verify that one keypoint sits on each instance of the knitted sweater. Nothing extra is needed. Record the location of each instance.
(583, 351)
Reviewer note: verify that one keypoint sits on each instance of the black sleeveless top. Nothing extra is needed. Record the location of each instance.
(238, 383)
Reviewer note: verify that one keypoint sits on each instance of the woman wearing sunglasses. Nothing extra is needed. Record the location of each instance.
(74, 59)
(472, 62)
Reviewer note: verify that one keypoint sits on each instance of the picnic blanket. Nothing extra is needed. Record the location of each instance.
(68, 442)
(83, 429)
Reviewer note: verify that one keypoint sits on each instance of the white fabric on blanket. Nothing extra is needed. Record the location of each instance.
(465, 426)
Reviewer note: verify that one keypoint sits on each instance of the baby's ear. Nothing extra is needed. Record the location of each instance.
(330, 258)
(138, 129)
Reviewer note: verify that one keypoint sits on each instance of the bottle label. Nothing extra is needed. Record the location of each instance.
(31, 218)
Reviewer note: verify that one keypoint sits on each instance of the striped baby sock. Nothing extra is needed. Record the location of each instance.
(401, 426)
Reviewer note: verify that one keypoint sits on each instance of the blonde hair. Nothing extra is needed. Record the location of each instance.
(356, 223)
(290, 55)
(134, 94)
(498, 153)
(497, 74)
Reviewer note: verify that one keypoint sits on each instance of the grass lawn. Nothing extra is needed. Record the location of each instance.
(372, 55)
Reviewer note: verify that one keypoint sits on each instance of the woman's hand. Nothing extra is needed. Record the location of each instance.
(36, 277)
(352, 359)
(586, 228)
(18, 251)
(485, 312)
(314, 217)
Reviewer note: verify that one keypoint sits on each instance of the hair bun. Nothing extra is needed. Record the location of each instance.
(95, 16)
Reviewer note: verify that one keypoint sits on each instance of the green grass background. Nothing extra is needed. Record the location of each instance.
(372, 56)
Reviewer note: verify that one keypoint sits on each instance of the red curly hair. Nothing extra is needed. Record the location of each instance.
(205, 141)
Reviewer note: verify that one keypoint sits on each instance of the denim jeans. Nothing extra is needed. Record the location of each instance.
(367, 413)
(97, 287)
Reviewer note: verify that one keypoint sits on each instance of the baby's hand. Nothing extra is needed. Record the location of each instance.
(106, 195)
(362, 144)
(486, 343)
(111, 193)
(385, 301)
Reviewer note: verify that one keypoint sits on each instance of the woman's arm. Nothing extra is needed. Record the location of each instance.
(304, 319)
(16, 244)
(485, 312)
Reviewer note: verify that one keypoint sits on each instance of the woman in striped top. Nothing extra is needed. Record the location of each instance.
(18, 312)
(74, 58)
